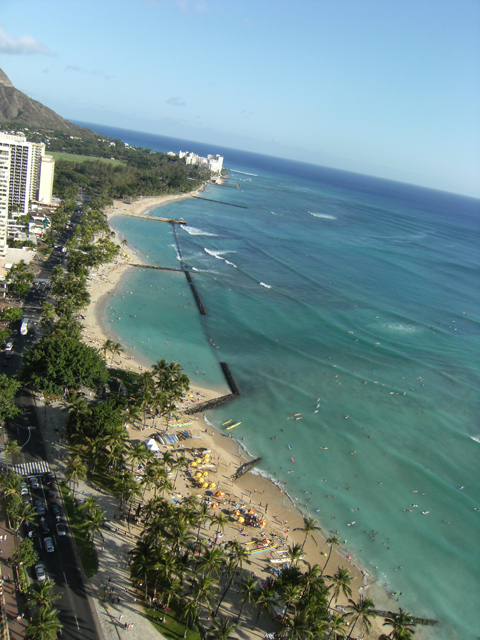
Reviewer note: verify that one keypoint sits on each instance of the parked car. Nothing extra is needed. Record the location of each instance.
(40, 571)
(34, 483)
(61, 531)
(24, 489)
(48, 542)
(48, 479)
(40, 507)
(56, 511)
(44, 527)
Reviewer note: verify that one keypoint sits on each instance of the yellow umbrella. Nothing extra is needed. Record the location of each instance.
(205, 473)
(212, 485)
(198, 474)
(194, 463)
(215, 505)
(262, 523)
(236, 512)
(205, 485)
(241, 519)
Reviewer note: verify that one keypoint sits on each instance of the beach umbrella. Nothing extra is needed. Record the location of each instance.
(212, 485)
(205, 485)
(241, 519)
(205, 473)
(219, 494)
(236, 512)
(262, 523)
(215, 505)
(194, 463)
(198, 474)
(252, 511)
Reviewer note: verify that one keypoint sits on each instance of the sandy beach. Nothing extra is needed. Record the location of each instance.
(252, 490)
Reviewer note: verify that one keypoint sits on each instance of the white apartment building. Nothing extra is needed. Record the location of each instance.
(4, 192)
(214, 163)
(47, 172)
(26, 175)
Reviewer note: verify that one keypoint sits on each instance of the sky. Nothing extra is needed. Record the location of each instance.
(389, 88)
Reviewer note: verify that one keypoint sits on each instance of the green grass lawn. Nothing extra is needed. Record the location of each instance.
(127, 377)
(173, 628)
(71, 157)
(88, 553)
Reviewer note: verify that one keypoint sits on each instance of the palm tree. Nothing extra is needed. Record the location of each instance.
(94, 525)
(264, 601)
(222, 629)
(248, 587)
(221, 521)
(44, 625)
(333, 540)
(26, 513)
(75, 471)
(238, 555)
(13, 449)
(142, 563)
(336, 625)
(171, 591)
(299, 628)
(341, 581)
(310, 525)
(39, 594)
(294, 553)
(403, 626)
(190, 612)
(212, 561)
(90, 506)
(362, 611)
(137, 454)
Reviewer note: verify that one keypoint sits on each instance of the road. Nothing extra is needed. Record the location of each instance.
(62, 566)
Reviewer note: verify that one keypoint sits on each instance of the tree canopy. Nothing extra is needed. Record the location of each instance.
(58, 363)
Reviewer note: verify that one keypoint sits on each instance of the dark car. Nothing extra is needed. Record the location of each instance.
(44, 527)
(40, 507)
(48, 479)
(56, 511)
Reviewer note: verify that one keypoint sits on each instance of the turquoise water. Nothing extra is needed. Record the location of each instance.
(353, 302)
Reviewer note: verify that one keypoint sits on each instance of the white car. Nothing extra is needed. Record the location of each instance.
(48, 542)
(61, 531)
(40, 571)
(34, 483)
(24, 489)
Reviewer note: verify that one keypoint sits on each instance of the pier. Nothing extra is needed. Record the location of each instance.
(216, 402)
(230, 204)
(147, 217)
(151, 266)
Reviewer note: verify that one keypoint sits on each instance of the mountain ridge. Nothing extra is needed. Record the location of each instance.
(16, 106)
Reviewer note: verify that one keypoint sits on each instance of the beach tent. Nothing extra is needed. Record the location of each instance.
(151, 445)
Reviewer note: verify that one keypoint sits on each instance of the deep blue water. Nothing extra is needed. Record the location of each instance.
(352, 301)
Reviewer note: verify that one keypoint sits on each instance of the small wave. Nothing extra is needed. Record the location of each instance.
(476, 438)
(244, 173)
(192, 231)
(325, 216)
(232, 264)
(267, 286)
(216, 254)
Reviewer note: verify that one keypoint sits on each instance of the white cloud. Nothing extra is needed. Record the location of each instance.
(24, 45)
(176, 101)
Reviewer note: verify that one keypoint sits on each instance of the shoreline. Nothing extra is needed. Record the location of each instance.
(285, 514)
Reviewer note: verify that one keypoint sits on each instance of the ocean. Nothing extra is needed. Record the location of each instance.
(347, 309)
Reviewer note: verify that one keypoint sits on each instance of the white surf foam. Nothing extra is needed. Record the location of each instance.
(325, 216)
(267, 286)
(244, 173)
(476, 438)
(193, 231)
(216, 254)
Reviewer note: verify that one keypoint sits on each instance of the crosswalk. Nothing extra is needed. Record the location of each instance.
(36, 468)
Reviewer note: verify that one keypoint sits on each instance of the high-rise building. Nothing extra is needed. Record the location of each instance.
(47, 171)
(25, 165)
(4, 191)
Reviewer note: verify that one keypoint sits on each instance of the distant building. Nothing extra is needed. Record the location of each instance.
(214, 163)
(4, 192)
(47, 172)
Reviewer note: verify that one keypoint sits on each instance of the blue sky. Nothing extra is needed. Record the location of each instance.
(388, 88)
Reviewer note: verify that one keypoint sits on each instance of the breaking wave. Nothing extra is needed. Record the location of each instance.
(193, 231)
(325, 216)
